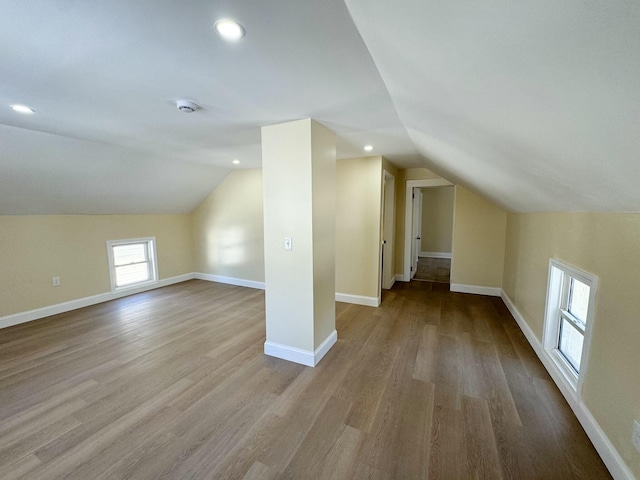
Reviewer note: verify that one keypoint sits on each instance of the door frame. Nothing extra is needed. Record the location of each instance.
(408, 218)
(388, 224)
(416, 230)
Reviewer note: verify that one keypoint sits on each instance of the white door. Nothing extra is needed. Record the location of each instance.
(417, 228)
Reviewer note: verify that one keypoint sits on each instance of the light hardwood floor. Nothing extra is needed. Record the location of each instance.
(173, 384)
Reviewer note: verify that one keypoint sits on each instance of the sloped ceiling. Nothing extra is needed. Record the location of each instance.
(532, 104)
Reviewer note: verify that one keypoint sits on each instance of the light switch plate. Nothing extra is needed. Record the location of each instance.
(287, 243)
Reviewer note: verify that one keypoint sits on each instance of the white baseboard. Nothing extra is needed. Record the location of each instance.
(477, 289)
(399, 277)
(297, 355)
(240, 282)
(610, 456)
(30, 315)
(358, 299)
(340, 297)
(434, 255)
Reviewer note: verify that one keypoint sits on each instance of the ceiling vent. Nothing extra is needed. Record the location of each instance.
(186, 106)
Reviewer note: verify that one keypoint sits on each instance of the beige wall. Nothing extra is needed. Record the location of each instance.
(228, 228)
(35, 248)
(605, 245)
(323, 223)
(358, 206)
(299, 170)
(479, 228)
(437, 219)
(236, 205)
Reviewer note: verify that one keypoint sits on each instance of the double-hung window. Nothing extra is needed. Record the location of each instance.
(568, 320)
(132, 262)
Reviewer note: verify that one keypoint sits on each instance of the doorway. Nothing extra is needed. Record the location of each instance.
(413, 223)
(435, 231)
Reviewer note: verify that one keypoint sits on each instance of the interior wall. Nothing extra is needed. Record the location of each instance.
(437, 219)
(358, 225)
(228, 228)
(605, 245)
(479, 229)
(35, 248)
(236, 206)
(323, 186)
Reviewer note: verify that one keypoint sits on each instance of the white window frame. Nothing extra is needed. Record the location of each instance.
(557, 294)
(153, 262)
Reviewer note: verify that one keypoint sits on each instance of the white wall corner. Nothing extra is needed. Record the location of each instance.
(358, 299)
(297, 355)
(239, 282)
(30, 315)
(610, 456)
(476, 289)
(400, 277)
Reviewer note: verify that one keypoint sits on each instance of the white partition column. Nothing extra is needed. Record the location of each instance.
(299, 175)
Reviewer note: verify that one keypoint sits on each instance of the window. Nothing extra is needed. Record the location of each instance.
(132, 262)
(568, 320)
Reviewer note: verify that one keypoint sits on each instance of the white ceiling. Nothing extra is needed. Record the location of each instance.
(533, 104)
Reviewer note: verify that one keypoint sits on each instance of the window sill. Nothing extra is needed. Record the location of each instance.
(567, 375)
(134, 286)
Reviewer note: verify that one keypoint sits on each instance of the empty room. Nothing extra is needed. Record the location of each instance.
(340, 239)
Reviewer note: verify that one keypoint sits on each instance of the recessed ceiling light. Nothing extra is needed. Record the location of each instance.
(22, 109)
(368, 148)
(236, 162)
(229, 30)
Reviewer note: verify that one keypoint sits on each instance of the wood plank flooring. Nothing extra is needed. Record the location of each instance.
(173, 384)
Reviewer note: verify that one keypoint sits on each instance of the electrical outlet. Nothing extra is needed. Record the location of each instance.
(55, 281)
(635, 437)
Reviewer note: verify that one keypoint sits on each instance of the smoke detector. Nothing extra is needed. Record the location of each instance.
(186, 106)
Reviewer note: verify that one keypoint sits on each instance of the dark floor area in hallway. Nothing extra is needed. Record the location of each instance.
(433, 269)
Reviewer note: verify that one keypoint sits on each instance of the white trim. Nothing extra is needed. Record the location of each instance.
(340, 297)
(399, 277)
(388, 187)
(557, 290)
(298, 355)
(476, 289)
(30, 315)
(358, 299)
(240, 282)
(434, 255)
(393, 282)
(325, 346)
(610, 456)
(408, 214)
